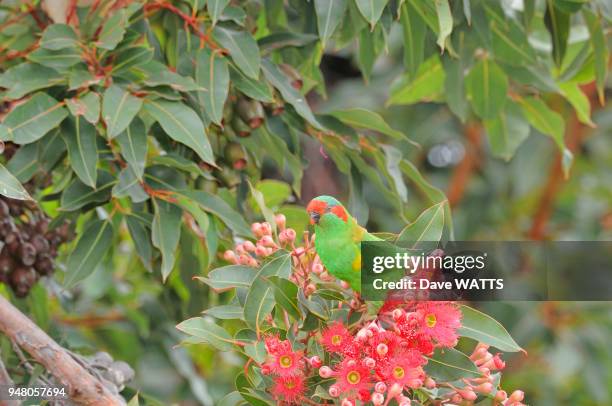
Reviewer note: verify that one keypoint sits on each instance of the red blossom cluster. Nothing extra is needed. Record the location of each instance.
(376, 364)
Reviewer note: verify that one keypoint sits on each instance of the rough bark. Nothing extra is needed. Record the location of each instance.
(82, 387)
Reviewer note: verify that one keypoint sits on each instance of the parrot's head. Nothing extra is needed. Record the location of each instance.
(326, 212)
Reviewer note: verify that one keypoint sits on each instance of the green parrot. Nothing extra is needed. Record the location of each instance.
(338, 239)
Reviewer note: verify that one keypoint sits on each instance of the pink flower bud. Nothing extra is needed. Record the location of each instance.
(347, 402)
(229, 256)
(361, 335)
(315, 361)
(380, 387)
(344, 285)
(265, 369)
(280, 221)
(253, 262)
(456, 398)
(430, 383)
(325, 372)
(317, 269)
(310, 289)
(382, 349)
(378, 399)
(484, 388)
(256, 229)
(516, 396)
(398, 314)
(249, 246)
(404, 401)
(261, 251)
(334, 391)
(498, 362)
(267, 241)
(351, 364)
(501, 396)
(325, 276)
(244, 259)
(395, 390)
(354, 304)
(291, 234)
(298, 252)
(369, 362)
(270, 251)
(485, 371)
(467, 394)
(240, 249)
(266, 228)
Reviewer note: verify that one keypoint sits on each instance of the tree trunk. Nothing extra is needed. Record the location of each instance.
(82, 387)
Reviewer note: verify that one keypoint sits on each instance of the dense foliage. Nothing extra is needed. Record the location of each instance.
(155, 132)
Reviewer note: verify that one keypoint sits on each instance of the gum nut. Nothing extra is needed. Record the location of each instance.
(291, 234)
(267, 241)
(256, 229)
(249, 246)
(240, 249)
(501, 395)
(229, 256)
(517, 396)
(266, 228)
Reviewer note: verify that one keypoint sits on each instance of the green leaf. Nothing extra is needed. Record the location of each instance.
(257, 89)
(226, 312)
(217, 206)
(78, 195)
(131, 57)
(28, 77)
(600, 49)
(448, 365)
(427, 85)
(86, 105)
(260, 297)
(129, 185)
(133, 144)
(289, 93)
(113, 30)
(274, 192)
(544, 119)
(80, 138)
(445, 22)
(37, 157)
(510, 43)
(158, 74)
(242, 48)
(205, 330)
(285, 295)
(231, 399)
(215, 9)
(182, 124)
(60, 59)
(91, 247)
(141, 236)
(212, 74)
(58, 36)
(166, 233)
(229, 277)
(134, 401)
(507, 131)
(371, 10)
(487, 88)
(329, 15)
(259, 303)
(485, 329)
(557, 22)
(31, 120)
(428, 227)
(11, 187)
(454, 87)
(414, 29)
(370, 120)
(261, 204)
(393, 158)
(579, 101)
(119, 108)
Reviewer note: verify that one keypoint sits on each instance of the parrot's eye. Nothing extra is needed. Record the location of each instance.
(314, 217)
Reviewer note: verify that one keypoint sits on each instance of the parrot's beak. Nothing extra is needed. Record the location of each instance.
(314, 217)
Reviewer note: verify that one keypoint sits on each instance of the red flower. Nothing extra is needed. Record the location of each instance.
(282, 360)
(352, 377)
(336, 338)
(440, 321)
(405, 370)
(289, 388)
(391, 343)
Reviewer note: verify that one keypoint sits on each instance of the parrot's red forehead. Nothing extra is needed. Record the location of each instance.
(321, 207)
(317, 206)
